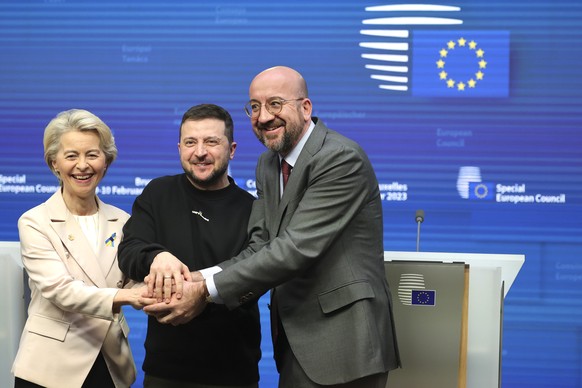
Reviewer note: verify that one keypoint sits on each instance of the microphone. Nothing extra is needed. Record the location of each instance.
(419, 217)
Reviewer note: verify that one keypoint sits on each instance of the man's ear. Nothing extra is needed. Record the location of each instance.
(306, 108)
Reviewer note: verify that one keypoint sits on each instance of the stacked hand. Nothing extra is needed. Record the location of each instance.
(165, 268)
(180, 310)
(181, 295)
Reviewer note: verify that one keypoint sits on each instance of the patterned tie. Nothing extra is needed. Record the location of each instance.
(286, 171)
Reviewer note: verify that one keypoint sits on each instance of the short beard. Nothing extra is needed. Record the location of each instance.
(285, 145)
(208, 182)
(282, 147)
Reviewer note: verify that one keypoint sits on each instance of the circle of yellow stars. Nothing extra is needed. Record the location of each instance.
(478, 76)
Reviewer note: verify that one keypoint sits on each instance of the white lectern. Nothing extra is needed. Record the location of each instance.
(12, 306)
(449, 302)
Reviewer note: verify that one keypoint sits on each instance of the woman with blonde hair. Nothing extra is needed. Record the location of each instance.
(76, 334)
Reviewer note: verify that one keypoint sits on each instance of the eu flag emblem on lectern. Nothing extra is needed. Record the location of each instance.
(423, 297)
(463, 64)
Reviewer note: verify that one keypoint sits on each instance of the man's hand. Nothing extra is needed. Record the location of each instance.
(196, 276)
(164, 268)
(180, 311)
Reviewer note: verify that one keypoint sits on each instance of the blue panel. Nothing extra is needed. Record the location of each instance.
(497, 167)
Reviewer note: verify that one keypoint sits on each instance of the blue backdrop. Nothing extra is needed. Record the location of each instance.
(470, 110)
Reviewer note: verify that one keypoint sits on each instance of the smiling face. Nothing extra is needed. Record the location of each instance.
(205, 153)
(80, 164)
(280, 132)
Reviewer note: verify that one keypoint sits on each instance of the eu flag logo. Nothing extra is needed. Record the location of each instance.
(481, 191)
(460, 64)
(423, 297)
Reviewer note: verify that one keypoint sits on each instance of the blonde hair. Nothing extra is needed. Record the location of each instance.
(77, 120)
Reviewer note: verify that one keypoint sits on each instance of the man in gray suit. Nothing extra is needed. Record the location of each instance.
(316, 242)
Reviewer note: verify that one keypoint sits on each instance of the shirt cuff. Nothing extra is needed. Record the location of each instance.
(208, 274)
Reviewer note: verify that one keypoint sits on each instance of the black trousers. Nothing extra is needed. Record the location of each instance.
(98, 377)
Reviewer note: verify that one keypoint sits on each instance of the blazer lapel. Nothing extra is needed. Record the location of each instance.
(109, 237)
(74, 240)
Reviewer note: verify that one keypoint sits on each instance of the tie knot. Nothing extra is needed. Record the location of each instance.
(285, 167)
(285, 171)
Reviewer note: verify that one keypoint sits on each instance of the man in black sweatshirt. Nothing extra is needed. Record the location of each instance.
(198, 217)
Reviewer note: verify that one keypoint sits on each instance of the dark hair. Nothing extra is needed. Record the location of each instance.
(210, 111)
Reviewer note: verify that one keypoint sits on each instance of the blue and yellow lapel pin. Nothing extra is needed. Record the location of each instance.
(110, 242)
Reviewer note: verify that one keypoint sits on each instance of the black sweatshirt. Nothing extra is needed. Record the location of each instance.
(201, 228)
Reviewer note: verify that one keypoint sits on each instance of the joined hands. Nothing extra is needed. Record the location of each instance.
(180, 294)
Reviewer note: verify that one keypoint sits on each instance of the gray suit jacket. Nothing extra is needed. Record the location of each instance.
(321, 246)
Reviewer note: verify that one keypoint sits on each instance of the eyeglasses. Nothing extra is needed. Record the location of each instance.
(274, 106)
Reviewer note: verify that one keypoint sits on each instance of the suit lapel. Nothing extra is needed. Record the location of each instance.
(271, 190)
(74, 240)
(296, 179)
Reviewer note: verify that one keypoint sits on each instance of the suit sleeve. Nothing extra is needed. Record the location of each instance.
(256, 231)
(49, 274)
(337, 185)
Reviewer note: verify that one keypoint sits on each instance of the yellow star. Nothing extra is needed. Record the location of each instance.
(482, 64)
(461, 86)
(479, 75)
(462, 42)
(443, 75)
(451, 45)
(480, 53)
(440, 64)
(472, 83)
(443, 53)
(450, 83)
(472, 45)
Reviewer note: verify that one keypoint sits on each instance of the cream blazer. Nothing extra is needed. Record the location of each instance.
(70, 318)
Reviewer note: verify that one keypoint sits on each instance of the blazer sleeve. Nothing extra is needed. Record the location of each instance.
(44, 257)
(338, 182)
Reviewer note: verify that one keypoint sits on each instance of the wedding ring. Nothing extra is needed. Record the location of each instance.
(167, 276)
